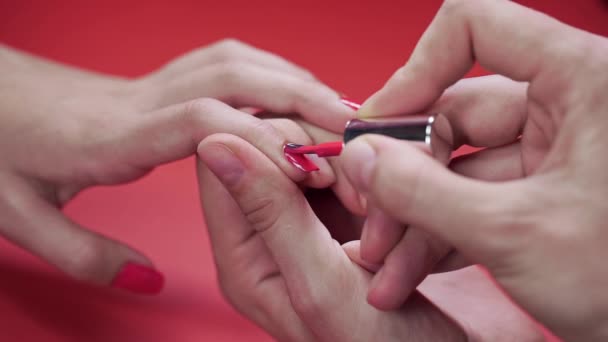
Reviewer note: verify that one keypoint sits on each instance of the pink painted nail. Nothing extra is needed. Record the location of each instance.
(138, 278)
(300, 161)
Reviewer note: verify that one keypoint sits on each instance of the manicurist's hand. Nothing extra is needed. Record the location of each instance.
(531, 206)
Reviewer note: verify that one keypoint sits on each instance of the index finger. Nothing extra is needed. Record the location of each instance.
(504, 37)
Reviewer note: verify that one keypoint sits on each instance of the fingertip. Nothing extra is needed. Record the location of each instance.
(358, 159)
(385, 294)
(138, 278)
(352, 250)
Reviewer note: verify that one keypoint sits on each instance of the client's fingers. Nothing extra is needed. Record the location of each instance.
(42, 229)
(250, 85)
(228, 51)
(174, 132)
(248, 276)
(274, 207)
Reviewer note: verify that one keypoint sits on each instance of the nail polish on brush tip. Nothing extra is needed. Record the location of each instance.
(326, 149)
(299, 160)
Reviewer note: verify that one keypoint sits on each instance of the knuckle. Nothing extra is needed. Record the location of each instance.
(85, 261)
(262, 213)
(308, 94)
(195, 111)
(262, 130)
(229, 49)
(230, 74)
(290, 129)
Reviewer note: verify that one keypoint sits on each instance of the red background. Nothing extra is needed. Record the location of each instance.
(352, 45)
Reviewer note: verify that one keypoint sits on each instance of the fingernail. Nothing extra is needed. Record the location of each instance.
(360, 159)
(300, 161)
(350, 104)
(138, 278)
(223, 163)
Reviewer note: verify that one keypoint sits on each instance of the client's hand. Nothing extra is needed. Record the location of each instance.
(63, 129)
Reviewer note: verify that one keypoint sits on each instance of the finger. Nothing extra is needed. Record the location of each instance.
(348, 196)
(40, 228)
(250, 85)
(273, 205)
(296, 133)
(535, 54)
(492, 164)
(380, 234)
(451, 262)
(487, 111)
(174, 133)
(469, 214)
(353, 251)
(231, 51)
(414, 257)
(247, 274)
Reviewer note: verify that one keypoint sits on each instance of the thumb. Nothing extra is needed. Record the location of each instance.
(416, 189)
(276, 209)
(37, 226)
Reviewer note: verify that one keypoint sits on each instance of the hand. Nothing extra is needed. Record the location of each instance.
(64, 129)
(278, 265)
(536, 212)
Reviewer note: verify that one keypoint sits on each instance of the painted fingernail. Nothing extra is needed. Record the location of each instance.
(359, 159)
(300, 161)
(223, 163)
(138, 278)
(350, 104)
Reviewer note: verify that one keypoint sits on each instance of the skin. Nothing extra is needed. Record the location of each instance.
(279, 265)
(531, 205)
(64, 129)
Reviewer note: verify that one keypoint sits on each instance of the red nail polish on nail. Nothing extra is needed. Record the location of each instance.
(139, 279)
(300, 161)
(350, 104)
